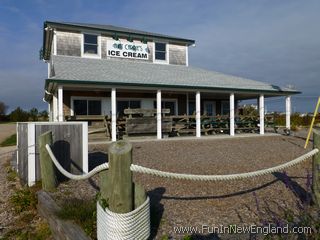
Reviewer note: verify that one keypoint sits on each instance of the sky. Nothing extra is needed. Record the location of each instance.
(266, 40)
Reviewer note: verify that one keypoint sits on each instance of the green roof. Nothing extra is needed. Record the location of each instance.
(77, 70)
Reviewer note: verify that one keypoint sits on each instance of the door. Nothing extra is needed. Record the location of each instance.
(209, 108)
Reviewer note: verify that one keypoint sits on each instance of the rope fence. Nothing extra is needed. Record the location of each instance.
(193, 177)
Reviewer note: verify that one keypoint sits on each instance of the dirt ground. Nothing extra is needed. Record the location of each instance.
(181, 203)
(7, 130)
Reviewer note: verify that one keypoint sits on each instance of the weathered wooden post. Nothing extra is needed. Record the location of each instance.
(120, 177)
(126, 212)
(48, 174)
(316, 168)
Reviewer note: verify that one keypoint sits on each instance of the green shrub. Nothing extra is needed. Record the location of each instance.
(23, 200)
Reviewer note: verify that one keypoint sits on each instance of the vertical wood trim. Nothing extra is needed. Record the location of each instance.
(85, 160)
(187, 56)
(187, 106)
(54, 42)
(17, 145)
(159, 127)
(55, 108)
(231, 102)
(168, 52)
(288, 112)
(60, 103)
(316, 169)
(261, 113)
(114, 114)
(198, 114)
(31, 154)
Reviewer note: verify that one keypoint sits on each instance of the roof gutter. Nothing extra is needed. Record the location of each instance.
(166, 86)
(55, 24)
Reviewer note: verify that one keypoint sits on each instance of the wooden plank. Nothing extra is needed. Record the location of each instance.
(23, 152)
(147, 125)
(145, 111)
(61, 229)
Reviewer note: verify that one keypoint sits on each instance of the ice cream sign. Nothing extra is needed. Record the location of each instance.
(124, 49)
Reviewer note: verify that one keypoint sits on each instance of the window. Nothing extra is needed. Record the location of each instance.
(87, 107)
(168, 105)
(124, 104)
(225, 108)
(160, 51)
(192, 108)
(90, 44)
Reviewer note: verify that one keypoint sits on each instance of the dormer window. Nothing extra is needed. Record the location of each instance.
(160, 51)
(91, 45)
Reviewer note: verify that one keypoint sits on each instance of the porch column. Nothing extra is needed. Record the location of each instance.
(55, 108)
(113, 115)
(288, 112)
(60, 103)
(159, 127)
(261, 113)
(231, 102)
(198, 114)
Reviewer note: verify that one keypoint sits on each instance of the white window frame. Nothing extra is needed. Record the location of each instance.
(154, 53)
(84, 98)
(86, 55)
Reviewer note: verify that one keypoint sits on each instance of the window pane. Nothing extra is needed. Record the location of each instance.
(171, 106)
(94, 107)
(225, 108)
(122, 105)
(135, 104)
(92, 49)
(192, 108)
(80, 107)
(93, 39)
(160, 56)
(160, 47)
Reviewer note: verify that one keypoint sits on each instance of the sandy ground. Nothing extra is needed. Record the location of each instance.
(181, 203)
(7, 130)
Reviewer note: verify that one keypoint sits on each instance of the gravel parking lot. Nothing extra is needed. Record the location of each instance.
(186, 203)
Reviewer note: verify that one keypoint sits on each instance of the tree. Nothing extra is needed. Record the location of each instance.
(19, 115)
(3, 108)
(44, 115)
(33, 113)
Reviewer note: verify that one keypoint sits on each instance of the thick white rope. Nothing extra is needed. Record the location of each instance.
(140, 169)
(194, 177)
(97, 169)
(127, 226)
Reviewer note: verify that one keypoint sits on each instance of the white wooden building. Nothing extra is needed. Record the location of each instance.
(98, 69)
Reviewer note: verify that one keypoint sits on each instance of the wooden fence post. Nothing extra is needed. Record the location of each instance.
(48, 173)
(316, 168)
(120, 177)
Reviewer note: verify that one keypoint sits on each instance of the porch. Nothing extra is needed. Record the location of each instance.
(118, 113)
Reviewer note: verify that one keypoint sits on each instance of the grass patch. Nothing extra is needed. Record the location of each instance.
(24, 200)
(10, 141)
(27, 225)
(82, 212)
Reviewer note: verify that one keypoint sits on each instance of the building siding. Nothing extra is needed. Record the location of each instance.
(177, 54)
(68, 43)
